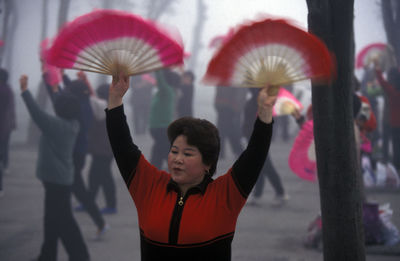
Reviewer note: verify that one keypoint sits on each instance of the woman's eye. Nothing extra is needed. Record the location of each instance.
(188, 154)
(174, 152)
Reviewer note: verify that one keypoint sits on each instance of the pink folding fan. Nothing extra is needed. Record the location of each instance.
(302, 160)
(52, 73)
(383, 53)
(286, 103)
(112, 41)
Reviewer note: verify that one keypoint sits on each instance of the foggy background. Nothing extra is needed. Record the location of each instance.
(182, 14)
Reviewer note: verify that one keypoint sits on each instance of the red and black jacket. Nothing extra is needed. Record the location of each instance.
(200, 225)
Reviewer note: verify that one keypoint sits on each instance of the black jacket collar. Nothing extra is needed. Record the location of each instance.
(199, 188)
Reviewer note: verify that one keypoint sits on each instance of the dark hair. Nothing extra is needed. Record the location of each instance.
(356, 105)
(3, 76)
(356, 83)
(78, 88)
(66, 106)
(102, 91)
(190, 74)
(199, 133)
(171, 77)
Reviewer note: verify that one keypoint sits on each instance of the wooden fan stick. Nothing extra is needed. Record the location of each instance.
(148, 63)
(100, 68)
(94, 61)
(97, 53)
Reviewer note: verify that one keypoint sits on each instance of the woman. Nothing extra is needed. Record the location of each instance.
(100, 173)
(391, 87)
(55, 170)
(185, 214)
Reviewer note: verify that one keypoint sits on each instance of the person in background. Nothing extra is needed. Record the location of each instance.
(81, 89)
(162, 113)
(184, 214)
(140, 101)
(229, 103)
(100, 174)
(7, 123)
(268, 170)
(391, 87)
(185, 101)
(56, 172)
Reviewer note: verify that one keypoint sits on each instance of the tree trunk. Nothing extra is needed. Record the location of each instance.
(63, 12)
(338, 169)
(391, 22)
(9, 27)
(197, 35)
(156, 8)
(41, 95)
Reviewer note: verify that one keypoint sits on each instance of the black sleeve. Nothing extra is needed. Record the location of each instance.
(300, 121)
(126, 153)
(66, 80)
(248, 166)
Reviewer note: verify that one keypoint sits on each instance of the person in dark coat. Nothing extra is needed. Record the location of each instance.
(100, 174)
(7, 122)
(56, 171)
(186, 91)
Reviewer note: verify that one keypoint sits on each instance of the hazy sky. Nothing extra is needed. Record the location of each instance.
(221, 14)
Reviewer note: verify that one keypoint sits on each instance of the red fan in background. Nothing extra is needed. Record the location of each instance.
(1, 43)
(286, 103)
(111, 41)
(302, 160)
(271, 52)
(369, 53)
(52, 74)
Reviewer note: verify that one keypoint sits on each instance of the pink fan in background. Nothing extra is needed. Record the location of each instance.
(149, 78)
(112, 41)
(286, 103)
(302, 159)
(1, 43)
(52, 74)
(371, 52)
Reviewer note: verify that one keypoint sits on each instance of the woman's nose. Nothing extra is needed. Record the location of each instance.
(179, 159)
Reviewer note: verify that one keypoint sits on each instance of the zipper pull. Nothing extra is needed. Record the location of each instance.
(180, 202)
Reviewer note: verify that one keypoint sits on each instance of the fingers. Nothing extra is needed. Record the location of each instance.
(23, 80)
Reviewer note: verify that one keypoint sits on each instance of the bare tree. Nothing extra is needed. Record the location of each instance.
(155, 8)
(338, 169)
(197, 34)
(391, 22)
(9, 21)
(41, 96)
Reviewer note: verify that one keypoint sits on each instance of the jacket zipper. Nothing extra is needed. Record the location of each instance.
(176, 220)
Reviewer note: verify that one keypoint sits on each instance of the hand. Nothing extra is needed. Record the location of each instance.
(55, 88)
(81, 75)
(23, 81)
(118, 88)
(296, 113)
(266, 102)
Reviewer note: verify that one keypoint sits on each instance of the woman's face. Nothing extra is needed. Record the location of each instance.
(185, 164)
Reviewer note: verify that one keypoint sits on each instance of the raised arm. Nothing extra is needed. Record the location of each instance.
(45, 122)
(247, 168)
(126, 153)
